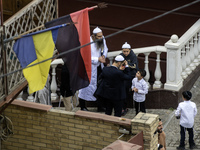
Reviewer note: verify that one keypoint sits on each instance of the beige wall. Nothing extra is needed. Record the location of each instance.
(55, 129)
(62, 130)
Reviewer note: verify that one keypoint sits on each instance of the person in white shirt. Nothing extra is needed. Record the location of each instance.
(186, 111)
(98, 57)
(140, 88)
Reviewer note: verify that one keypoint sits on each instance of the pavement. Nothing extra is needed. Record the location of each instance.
(170, 123)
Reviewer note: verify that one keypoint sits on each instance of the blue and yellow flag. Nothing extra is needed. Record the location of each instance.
(34, 48)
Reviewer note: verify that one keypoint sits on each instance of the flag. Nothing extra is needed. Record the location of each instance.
(33, 48)
(78, 62)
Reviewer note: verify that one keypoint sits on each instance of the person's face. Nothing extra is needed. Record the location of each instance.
(138, 75)
(99, 35)
(160, 127)
(126, 51)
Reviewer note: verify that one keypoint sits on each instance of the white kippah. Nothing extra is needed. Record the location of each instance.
(119, 58)
(97, 30)
(126, 45)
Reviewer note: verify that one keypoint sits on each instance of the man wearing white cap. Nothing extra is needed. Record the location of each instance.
(112, 88)
(98, 53)
(132, 61)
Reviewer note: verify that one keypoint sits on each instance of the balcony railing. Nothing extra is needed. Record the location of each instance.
(183, 56)
(35, 14)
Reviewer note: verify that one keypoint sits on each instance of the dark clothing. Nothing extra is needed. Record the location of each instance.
(112, 88)
(65, 82)
(100, 101)
(82, 103)
(140, 106)
(191, 136)
(117, 105)
(133, 65)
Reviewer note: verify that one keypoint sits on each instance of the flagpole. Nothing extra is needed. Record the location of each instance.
(27, 32)
(100, 5)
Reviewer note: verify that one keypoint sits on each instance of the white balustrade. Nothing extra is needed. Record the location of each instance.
(30, 97)
(188, 70)
(146, 51)
(146, 68)
(174, 67)
(198, 45)
(19, 97)
(192, 65)
(158, 73)
(183, 55)
(196, 51)
(54, 64)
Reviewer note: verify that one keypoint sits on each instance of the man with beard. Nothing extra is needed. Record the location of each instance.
(161, 135)
(98, 53)
(132, 61)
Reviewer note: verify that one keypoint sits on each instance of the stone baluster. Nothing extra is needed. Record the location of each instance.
(192, 65)
(157, 74)
(198, 45)
(146, 68)
(173, 73)
(188, 60)
(19, 97)
(30, 97)
(111, 60)
(183, 59)
(53, 81)
(196, 51)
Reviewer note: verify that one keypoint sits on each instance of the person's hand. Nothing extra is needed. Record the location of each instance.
(122, 67)
(102, 59)
(125, 62)
(135, 90)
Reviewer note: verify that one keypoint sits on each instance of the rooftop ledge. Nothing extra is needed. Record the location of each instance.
(79, 113)
(32, 105)
(103, 117)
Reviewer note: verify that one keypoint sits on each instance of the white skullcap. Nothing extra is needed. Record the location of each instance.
(97, 30)
(119, 58)
(126, 45)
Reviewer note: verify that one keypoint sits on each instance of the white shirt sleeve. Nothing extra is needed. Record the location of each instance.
(195, 111)
(144, 89)
(133, 84)
(178, 111)
(105, 49)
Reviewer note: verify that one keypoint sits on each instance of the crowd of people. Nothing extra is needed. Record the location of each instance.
(112, 86)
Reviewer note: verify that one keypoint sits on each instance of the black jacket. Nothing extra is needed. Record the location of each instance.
(133, 64)
(112, 86)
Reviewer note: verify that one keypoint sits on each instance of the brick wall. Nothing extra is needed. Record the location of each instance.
(61, 130)
(147, 123)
